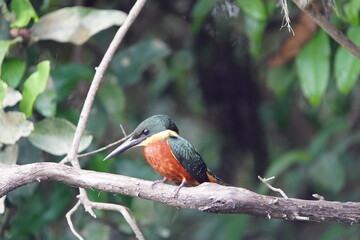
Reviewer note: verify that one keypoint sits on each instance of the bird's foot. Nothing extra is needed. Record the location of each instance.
(179, 187)
(159, 181)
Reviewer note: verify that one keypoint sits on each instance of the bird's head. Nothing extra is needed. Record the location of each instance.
(152, 129)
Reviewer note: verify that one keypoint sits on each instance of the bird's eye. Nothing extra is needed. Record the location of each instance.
(145, 131)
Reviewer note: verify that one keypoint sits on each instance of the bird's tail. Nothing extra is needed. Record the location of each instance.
(213, 178)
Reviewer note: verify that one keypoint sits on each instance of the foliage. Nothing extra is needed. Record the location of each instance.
(203, 63)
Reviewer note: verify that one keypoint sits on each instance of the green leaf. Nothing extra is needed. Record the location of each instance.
(55, 136)
(352, 12)
(69, 114)
(9, 154)
(24, 12)
(130, 63)
(254, 8)
(347, 66)
(4, 9)
(280, 79)
(237, 227)
(33, 86)
(271, 7)
(338, 104)
(39, 210)
(3, 90)
(12, 71)
(99, 117)
(96, 231)
(13, 126)
(328, 172)
(346, 142)
(4, 48)
(283, 163)
(161, 80)
(75, 24)
(286, 160)
(45, 104)
(319, 142)
(313, 65)
(67, 77)
(112, 98)
(201, 9)
(97, 164)
(255, 30)
(336, 231)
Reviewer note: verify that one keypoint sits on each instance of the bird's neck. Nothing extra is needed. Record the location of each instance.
(158, 137)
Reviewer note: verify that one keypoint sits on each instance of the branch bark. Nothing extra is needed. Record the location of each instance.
(321, 20)
(207, 197)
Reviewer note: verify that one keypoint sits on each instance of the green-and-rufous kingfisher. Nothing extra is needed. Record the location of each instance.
(167, 153)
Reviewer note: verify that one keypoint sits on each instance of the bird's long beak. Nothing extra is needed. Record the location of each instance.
(129, 143)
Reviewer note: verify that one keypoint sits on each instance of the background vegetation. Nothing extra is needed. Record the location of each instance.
(252, 99)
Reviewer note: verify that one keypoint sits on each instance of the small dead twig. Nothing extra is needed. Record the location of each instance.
(84, 199)
(69, 221)
(123, 131)
(265, 181)
(319, 197)
(90, 205)
(107, 146)
(126, 212)
(286, 19)
(66, 159)
(103, 148)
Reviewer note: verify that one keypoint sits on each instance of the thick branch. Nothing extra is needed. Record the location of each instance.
(321, 20)
(207, 197)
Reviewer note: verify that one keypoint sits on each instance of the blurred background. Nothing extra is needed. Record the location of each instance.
(236, 84)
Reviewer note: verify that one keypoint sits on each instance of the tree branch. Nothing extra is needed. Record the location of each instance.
(321, 20)
(207, 197)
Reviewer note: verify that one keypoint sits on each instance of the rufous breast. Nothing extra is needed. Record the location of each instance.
(159, 155)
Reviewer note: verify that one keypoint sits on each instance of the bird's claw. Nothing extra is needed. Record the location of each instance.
(179, 187)
(159, 181)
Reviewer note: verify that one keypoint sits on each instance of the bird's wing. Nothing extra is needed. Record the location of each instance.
(189, 158)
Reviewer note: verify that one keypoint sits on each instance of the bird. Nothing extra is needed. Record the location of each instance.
(168, 153)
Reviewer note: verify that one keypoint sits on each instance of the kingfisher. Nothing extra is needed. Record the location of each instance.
(167, 153)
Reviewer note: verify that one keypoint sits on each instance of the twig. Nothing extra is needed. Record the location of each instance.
(207, 197)
(103, 148)
(84, 199)
(89, 205)
(126, 212)
(64, 160)
(123, 131)
(69, 221)
(307, 7)
(107, 146)
(286, 19)
(334, 7)
(85, 112)
(319, 197)
(265, 181)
